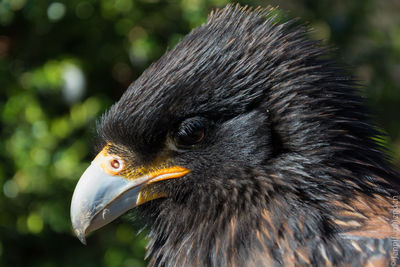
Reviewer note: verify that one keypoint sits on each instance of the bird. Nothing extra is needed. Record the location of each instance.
(246, 144)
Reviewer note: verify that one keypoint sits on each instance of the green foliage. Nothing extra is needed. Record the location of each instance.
(63, 63)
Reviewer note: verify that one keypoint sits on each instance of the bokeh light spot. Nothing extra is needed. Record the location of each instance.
(39, 129)
(17, 4)
(4, 45)
(34, 223)
(61, 127)
(33, 112)
(40, 156)
(84, 10)
(123, 6)
(56, 11)
(21, 225)
(140, 50)
(22, 180)
(6, 16)
(123, 26)
(113, 257)
(10, 189)
(321, 31)
(124, 234)
(74, 83)
(122, 72)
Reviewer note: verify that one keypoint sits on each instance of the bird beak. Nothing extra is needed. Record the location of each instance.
(107, 190)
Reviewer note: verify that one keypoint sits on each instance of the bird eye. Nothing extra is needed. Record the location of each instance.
(190, 132)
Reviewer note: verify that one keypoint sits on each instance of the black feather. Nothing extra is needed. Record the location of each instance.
(289, 146)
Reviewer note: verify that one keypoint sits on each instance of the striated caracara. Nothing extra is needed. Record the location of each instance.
(245, 146)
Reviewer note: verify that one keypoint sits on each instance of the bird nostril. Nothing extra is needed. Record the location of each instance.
(111, 164)
(115, 164)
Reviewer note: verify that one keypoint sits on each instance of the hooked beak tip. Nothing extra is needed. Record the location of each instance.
(81, 236)
(100, 196)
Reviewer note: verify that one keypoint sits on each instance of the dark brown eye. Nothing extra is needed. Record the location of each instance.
(191, 132)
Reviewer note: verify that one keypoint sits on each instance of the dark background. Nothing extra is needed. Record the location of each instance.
(63, 63)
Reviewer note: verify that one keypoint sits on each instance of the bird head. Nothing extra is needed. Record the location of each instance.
(242, 110)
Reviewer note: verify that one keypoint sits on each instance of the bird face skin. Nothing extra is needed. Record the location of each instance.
(244, 146)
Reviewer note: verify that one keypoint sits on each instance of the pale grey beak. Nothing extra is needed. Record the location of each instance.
(103, 194)
(97, 199)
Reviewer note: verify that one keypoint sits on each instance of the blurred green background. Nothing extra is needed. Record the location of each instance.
(63, 63)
